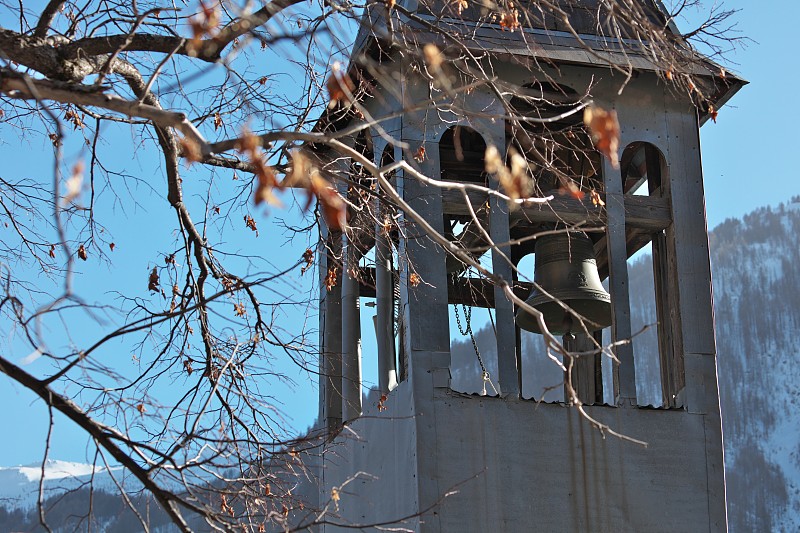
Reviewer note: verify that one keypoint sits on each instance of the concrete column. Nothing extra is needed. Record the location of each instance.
(384, 321)
(331, 331)
(506, 335)
(351, 336)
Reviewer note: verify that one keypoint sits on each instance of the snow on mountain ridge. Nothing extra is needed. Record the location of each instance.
(19, 485)
(55, 469)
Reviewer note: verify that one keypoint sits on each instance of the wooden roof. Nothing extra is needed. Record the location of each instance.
(542, 36)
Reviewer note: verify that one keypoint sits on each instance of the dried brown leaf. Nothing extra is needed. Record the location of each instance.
(569, 188)
(308, 257)
(596, 199)
(604, 129)
(300, 173)
(152, 280)
(267, 183)
(334, 209)
(340, 86)
(249, 143)
(77, 120)
(190, 150)
(509, 18)
(250, 223)
(713, 113)
(515, 181)
(330, 278)
(74, 182)
(433, 57)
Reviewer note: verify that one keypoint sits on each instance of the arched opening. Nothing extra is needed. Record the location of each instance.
(461, 155)
(546, 127)
(642, 166)
(659, 368)
(461, 158)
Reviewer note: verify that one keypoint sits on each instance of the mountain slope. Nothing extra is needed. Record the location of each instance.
(757, 290)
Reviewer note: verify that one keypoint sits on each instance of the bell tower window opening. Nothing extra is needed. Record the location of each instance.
(473, 348)
(546, 128)
(565, 268)
(461, 154)
(659, 367)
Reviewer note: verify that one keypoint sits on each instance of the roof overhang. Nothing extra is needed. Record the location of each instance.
(554, 47)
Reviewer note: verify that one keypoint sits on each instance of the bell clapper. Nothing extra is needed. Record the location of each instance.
(488, 379)
(568, 335)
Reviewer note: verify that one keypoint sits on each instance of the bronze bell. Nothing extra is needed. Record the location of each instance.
(566, 269)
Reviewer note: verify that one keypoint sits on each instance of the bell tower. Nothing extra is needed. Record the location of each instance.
(487, 173)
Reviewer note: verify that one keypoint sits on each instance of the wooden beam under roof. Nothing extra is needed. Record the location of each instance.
(641, 212)
(472, 291)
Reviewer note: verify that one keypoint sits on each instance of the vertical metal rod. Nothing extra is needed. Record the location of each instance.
(351, 336)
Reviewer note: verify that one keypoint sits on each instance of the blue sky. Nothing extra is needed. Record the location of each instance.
(746, 165)
(746, 154)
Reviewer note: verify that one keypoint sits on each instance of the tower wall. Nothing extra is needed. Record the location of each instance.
(437, 460)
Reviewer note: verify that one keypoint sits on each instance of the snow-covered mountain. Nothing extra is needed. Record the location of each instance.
(19, 485)
(77, 497)
(757, 289)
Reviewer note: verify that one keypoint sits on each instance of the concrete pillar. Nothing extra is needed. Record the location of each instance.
(351, 336)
